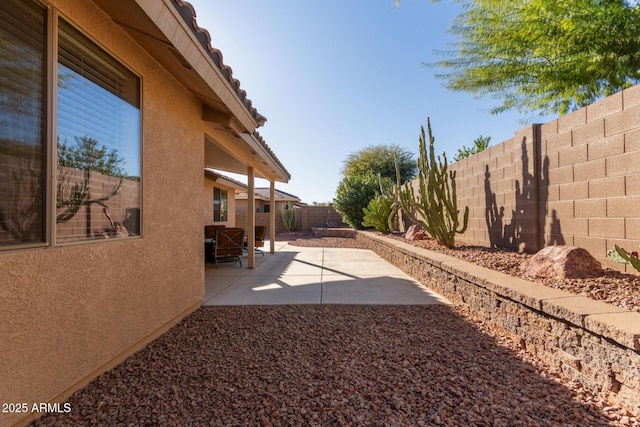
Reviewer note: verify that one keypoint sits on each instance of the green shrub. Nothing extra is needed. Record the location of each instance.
(377, 214)
(353, 194)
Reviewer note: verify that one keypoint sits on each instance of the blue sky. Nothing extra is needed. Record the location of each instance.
(333, 77)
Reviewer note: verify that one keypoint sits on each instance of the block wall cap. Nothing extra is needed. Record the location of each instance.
(612, 322)
(576, 308)
(622, 327)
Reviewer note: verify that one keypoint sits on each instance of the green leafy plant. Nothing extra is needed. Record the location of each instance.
(385, 160)
(289, 218)
(377, 214)
(545, 56)
(620, 255)
(481, 143)
(435, 206)
(354, 193)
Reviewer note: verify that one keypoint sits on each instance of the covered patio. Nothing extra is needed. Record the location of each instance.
(229, 150)
(315, 275)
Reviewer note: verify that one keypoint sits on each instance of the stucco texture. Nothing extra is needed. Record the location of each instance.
(69, 312)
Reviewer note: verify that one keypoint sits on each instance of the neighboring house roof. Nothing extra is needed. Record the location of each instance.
(225, 180)
(262, 193)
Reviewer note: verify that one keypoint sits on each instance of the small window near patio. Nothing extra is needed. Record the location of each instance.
(220, 205)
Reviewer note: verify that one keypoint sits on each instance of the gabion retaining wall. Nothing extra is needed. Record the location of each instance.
(594, 343)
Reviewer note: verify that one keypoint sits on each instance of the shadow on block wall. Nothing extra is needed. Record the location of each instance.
(524, 229)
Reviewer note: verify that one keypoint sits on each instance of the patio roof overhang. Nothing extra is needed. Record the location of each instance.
(228, 150)
(225, 180)
(168, 31)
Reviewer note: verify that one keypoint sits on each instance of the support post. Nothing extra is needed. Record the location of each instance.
(272, 217)
(251, 218)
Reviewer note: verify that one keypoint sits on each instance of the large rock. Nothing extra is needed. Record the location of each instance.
(562, 262)
(415, 232)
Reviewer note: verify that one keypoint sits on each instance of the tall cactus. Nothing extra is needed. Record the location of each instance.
(435, 206)
(392, 195)
(289, 217)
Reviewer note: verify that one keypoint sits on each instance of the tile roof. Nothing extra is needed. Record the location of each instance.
(275, 158)
(263, 192)
(213, 175)
(188, 14)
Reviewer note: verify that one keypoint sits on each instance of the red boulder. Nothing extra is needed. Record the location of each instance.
(415, 232)
(562, 262)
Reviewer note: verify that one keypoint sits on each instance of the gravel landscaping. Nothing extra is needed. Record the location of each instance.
(329, 365)
(335, 365)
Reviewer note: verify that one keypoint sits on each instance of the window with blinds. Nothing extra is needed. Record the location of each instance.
(98, 185)
(22, 123)
(95, 146)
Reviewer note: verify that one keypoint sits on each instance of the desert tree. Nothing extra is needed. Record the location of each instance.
(543, 56)
(380, 160)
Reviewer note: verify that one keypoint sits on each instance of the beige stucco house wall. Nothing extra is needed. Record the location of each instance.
(71, 312)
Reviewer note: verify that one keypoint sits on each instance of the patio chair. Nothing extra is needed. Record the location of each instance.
(209, 239)
(261, 231)
(229, 245)
(210, 231)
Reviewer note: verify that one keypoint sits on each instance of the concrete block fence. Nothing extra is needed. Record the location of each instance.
(574, 180)
(308, 218)
(593, 343)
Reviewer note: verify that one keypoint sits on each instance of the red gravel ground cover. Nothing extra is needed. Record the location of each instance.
(334, 365)
(328, 365)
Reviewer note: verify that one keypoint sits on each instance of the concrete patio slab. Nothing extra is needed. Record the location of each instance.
(362, 268)
(214, 287)
(290, 267)
(302, 275)
(391, 290)
(271, 290)
(359, 255)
